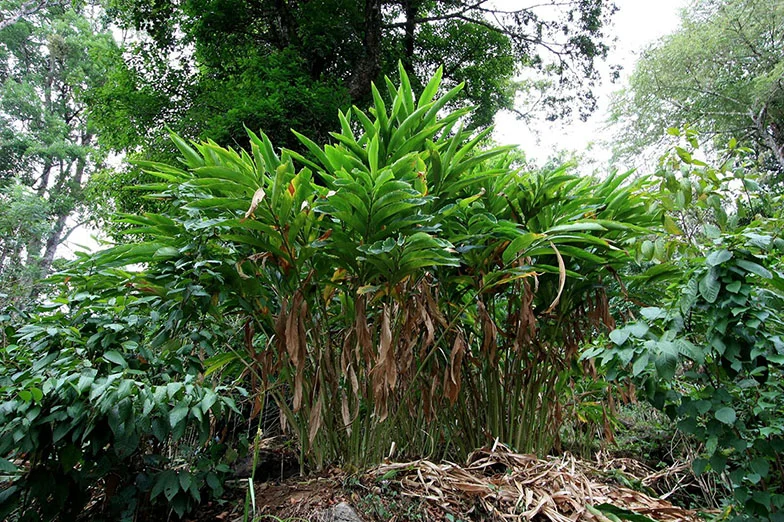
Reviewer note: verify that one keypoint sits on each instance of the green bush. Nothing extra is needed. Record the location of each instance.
(84, 416)
(401, 285)
(399, 289)
(711, 355)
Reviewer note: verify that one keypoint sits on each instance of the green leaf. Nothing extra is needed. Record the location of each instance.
(577, 227)
(683, 154)
(718, 257)
(178, 414)
(619, 336)
(191, 158)
(638, 329)
(709, 287)
(519, 244)
(171, 485)
(671, 227)
(666, 363)
(760, 466)
(166, 253)
(160, 483)
(623, 514)
(754, 268)
(6, 466)
(726, 415)
(212, 481)
(640, 364)
(688, 349)
(185, 479)
(114, 357)
(653, 313)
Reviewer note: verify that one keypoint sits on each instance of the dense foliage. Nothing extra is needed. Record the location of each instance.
(387, 282)
(49, 59)
(711, 354)
(279, 65)
(401, 288)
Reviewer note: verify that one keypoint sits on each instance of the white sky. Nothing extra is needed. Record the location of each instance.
(637, 24)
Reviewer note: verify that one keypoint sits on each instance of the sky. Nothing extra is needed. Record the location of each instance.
(637, 24)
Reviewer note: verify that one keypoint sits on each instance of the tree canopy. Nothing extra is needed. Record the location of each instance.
(292, 64)
(722, 73)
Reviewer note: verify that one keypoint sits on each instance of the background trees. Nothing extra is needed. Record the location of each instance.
(49, 59)
(722, 73)
(284, 64)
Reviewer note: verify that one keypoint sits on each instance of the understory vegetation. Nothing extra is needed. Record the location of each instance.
(402, 289)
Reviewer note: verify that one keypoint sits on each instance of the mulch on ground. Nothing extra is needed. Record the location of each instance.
(494, 484)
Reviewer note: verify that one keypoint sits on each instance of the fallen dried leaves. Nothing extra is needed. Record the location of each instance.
(502, 485)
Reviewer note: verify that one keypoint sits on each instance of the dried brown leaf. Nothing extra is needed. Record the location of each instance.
(344, 411)
(258, 197)
(561, 279)
(314, 421)
(489, 331)
(452, 376)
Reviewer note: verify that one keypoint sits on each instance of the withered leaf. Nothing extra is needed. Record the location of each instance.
(258, 196)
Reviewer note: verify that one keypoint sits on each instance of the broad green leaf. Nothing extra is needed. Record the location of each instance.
(653, 313)
(6, 466)
(760, 466)
(709, 287)
(718, 257)
(519, 244)
(619, 336)
(178, 414)
(191, 158)
(640, 364)
(622, 514)
(116, 358)
(726, 415)
(671, 227)
(431, 88)
(754, 268)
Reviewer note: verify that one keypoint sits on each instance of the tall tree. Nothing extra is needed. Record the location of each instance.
(48, 59)
(280, 64)
(722, 73)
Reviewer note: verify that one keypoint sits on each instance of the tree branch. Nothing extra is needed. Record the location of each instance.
(26, 9)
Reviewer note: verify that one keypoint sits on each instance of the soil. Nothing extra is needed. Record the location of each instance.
(297, 499)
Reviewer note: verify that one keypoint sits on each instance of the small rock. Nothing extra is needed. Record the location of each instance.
(339, 513)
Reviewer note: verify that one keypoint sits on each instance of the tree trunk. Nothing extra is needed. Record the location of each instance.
(52, 242)
(411, 11)
(68, 187)
(768, 138)
(44, 180)
(285, 24)
(369, 65)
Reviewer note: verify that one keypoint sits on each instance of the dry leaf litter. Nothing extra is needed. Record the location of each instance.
(502, 485)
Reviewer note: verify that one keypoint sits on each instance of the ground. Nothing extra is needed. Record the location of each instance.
(494, 484)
